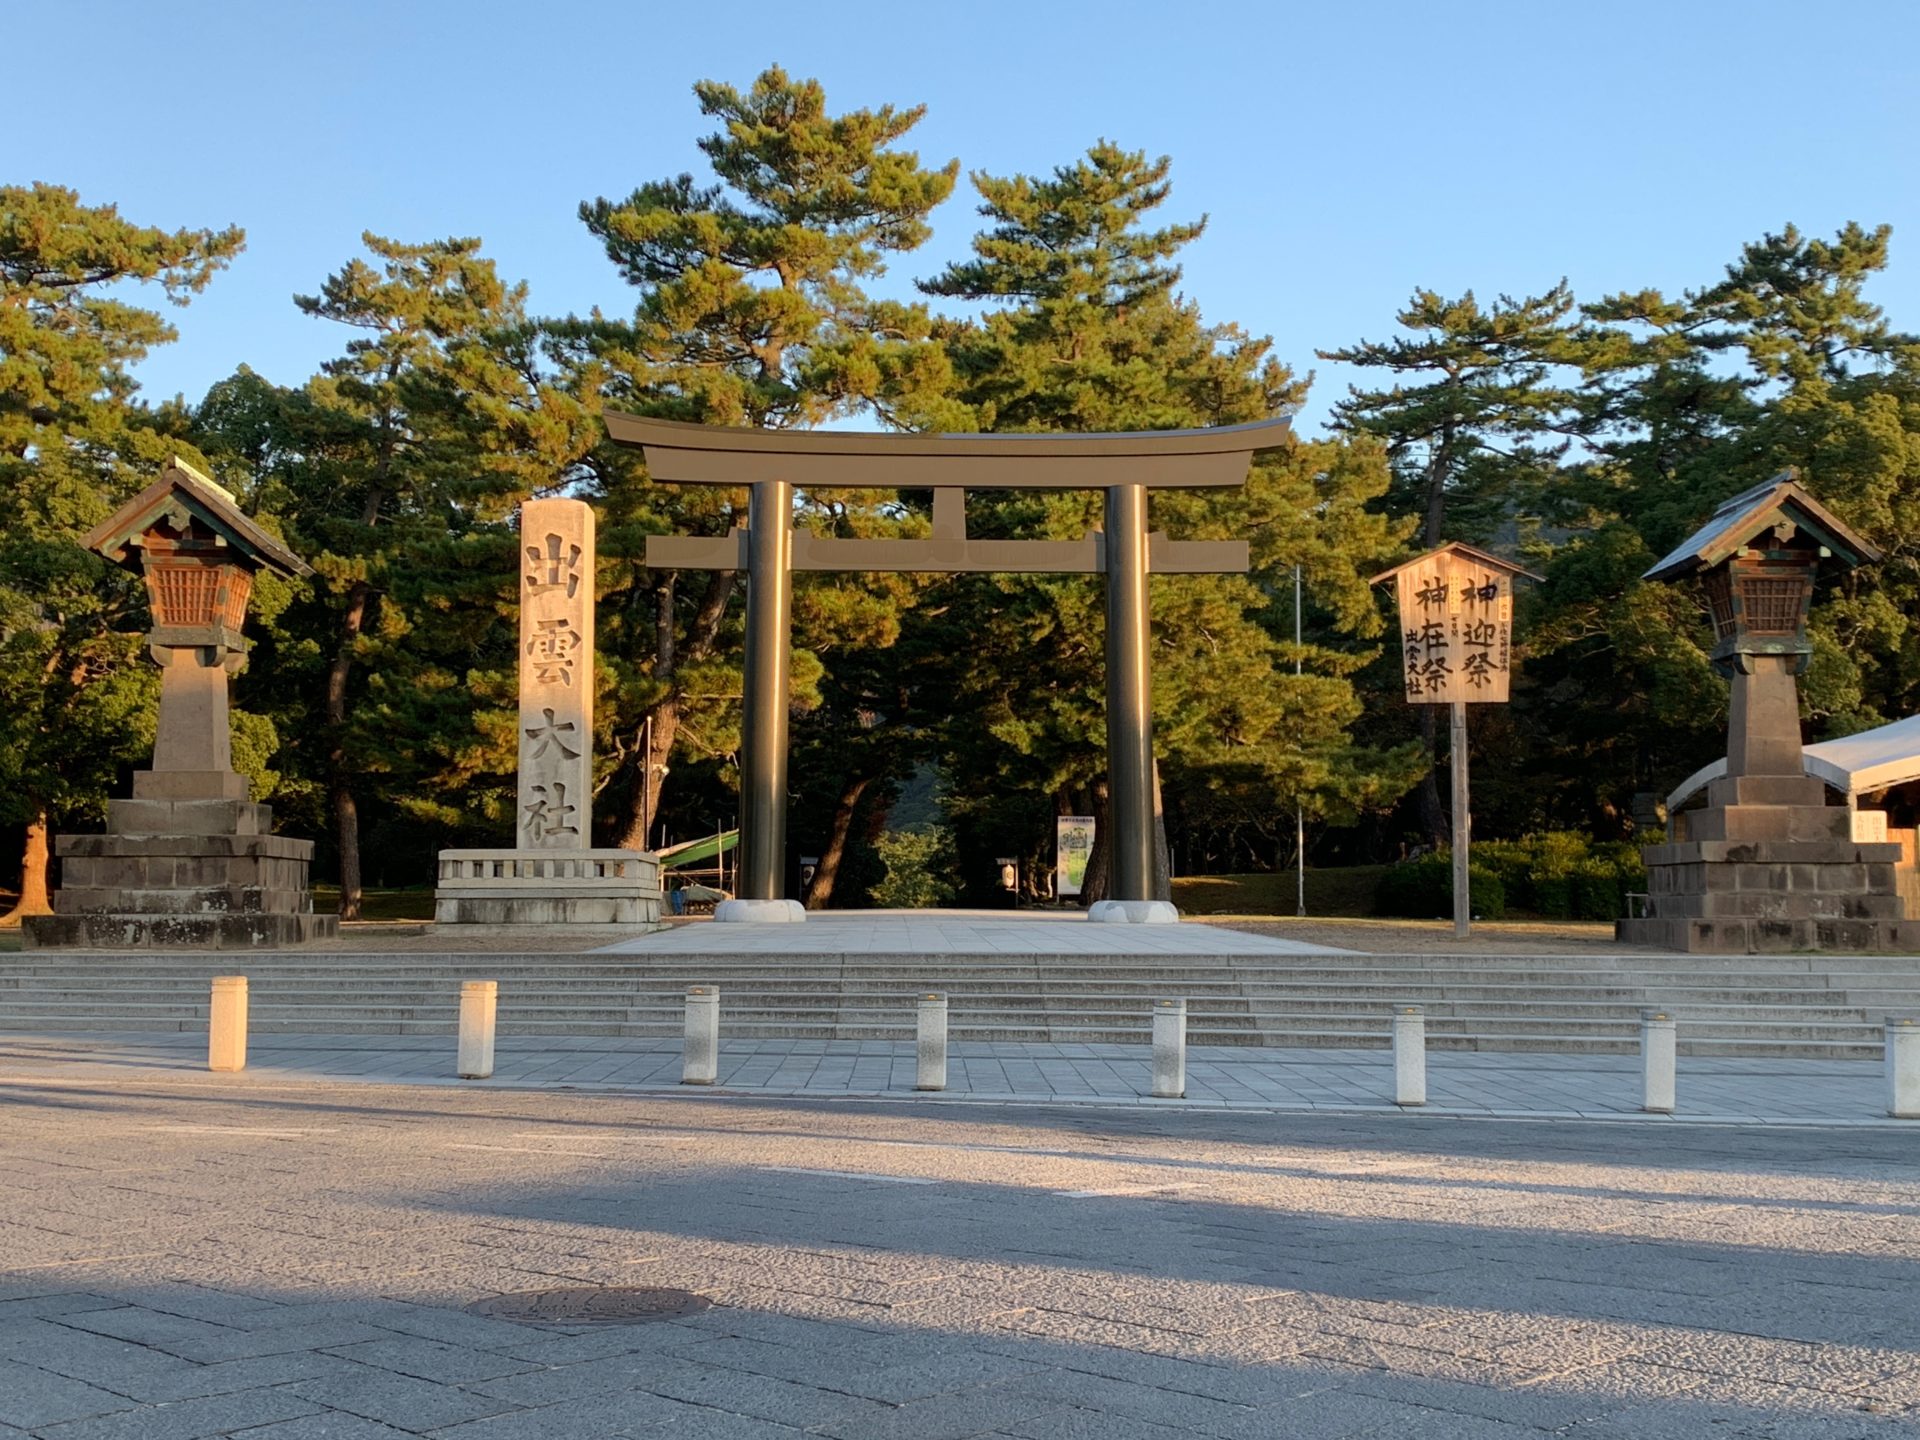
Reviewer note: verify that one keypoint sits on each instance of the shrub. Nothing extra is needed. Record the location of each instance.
(920, 869)
(1423, 890)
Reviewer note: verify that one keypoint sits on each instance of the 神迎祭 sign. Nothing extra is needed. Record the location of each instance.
(1456, 626)
(1456, 649)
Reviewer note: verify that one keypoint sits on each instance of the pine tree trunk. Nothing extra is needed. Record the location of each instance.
(346, 829)
(346, 813)
(34, 899)
(1094, 888)
(641, 813)
(820, 893)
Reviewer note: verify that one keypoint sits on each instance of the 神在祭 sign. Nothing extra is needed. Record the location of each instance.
(1456, 649)
(1456, 626)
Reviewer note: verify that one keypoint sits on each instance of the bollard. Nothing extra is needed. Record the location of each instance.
(700, 1064)
(1170, 1049)
(1903, 1067)
(227, 1024)
(1409, 1055)
(932, 1042)
(478, 1001)
(1656, 1062)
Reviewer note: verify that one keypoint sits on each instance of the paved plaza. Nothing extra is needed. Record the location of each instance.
(959, 932)
(285, 1260)
(1547, 1087)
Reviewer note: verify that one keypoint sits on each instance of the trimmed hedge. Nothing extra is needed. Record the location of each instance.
(1423, 890)
(1562, 875)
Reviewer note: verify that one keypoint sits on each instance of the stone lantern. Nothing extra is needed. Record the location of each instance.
(1768, 864)
(188, 860)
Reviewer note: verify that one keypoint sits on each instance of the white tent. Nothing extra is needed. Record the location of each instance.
(1854, 765)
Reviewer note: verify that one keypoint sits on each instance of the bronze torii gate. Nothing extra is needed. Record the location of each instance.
(771, 463)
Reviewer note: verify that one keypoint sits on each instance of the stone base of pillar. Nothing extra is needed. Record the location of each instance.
(1132, 912)
(547, 887)
(760, 912)
(199, 873)
(1748, 878)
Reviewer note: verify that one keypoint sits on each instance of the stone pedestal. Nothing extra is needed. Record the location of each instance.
(1768, 865)
(547, 887)
(182, 872)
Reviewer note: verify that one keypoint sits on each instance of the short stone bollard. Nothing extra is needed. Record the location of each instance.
(227, 1024)
(700, 1062)
(1903, 1067)
(479, 1001)
(1656, 1062)
(932, 1042)
(1170, 1049)
(1409, 1055)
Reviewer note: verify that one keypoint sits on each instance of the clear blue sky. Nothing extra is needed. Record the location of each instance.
(1346, 153)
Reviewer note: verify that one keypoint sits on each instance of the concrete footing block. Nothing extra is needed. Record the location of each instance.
(227, 1024)
(1657, 1050)
(479, 1002)
(1409, 1055)
(931, 1036)
(700, 1059)
(1132, 912)
(1170, 1049)
(760, 912)
(1903, 1067)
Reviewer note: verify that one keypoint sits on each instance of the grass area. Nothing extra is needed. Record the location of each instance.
(411, 904)
(10, 941)
(1347, 891)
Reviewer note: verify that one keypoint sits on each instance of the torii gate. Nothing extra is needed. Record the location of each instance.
(771, 463)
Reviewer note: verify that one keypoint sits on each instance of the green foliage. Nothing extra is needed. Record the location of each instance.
(1423, 890)
(1565, 876)
(77, 699)
(920, 869)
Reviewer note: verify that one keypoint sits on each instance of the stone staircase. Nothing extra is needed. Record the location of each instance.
(1804, 1006)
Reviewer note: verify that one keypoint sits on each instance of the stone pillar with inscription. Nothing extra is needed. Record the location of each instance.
(553, 875)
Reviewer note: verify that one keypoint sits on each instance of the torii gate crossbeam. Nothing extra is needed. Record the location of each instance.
(771, 463)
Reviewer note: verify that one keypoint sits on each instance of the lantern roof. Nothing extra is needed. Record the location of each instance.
(1470, 553)
(1738, 522)
(180, 497)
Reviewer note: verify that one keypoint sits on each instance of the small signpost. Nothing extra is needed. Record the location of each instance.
(1073, 846)
(1456, 649)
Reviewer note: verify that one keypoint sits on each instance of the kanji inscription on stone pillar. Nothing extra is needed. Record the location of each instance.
(556, 675)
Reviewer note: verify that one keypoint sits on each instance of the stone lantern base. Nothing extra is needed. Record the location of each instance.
(195, 873)
(1769, 866)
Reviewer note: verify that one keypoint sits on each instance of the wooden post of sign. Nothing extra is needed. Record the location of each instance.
(1462, 826)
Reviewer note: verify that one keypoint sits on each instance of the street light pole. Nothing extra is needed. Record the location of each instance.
(1299, 814)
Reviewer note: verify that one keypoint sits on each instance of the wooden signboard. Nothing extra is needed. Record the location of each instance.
(1456, 649)
(1456, 628)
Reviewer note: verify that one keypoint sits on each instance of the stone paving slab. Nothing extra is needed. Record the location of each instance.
(1047, 1272)
(1497, 1085)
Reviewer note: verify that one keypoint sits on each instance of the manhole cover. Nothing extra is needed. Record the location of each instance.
(592, 1305)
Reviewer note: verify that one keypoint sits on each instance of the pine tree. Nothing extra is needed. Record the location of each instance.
(76, 698)
(399, 469)
(751, 311)
(1094, 336)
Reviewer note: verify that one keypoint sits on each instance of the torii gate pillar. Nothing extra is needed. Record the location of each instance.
(1125, 466)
